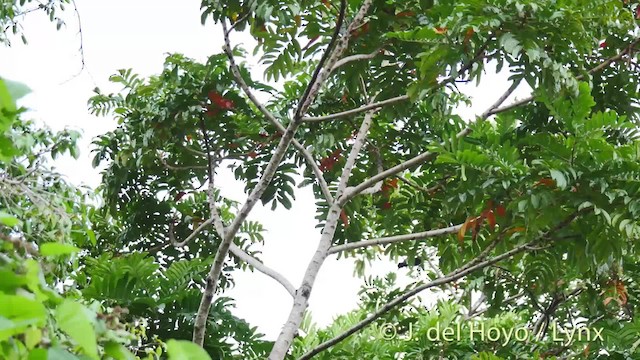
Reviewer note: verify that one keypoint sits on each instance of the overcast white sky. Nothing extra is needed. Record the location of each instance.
(137, 34)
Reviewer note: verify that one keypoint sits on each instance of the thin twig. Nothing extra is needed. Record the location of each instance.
(357, 57)
(373, 106)
(394, 239)
(258, 265)
(419, 159)
(604, 64)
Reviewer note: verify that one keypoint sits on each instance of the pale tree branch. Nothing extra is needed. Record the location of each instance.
(379, 105)
(168, 166)
(373, 106)
(216, 268)
(394, 239)
(324, 187)
(419, 159)
(191, 236)
(258, 265)
(322, 72)
(239, 253)
(355, 152)
(357, 57)
(301, 299)
(222, 231)
(459, 273)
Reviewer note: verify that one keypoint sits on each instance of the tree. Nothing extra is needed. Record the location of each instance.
(524, 218)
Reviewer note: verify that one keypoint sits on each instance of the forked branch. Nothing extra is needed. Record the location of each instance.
(324, 187)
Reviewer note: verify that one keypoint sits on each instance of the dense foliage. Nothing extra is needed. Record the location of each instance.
(522, 222)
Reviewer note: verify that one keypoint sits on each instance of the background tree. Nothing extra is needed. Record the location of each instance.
(530, 209)
(524, 217)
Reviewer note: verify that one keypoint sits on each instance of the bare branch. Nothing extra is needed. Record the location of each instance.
(81, 48)
(238, 252)
(377, 106)
(223, 250)
(355, 152)
(244, 17)
(316, 80)
(374, 106)
(235, 250)
(394, 239)
(461, 272)
(191, 236)
(179, 168)
(419, 159)
(603, 65)
(357, 57)
(301, 300)
(324, 187)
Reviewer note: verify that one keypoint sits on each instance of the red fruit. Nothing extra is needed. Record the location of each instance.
(603, 45)
(386, 205)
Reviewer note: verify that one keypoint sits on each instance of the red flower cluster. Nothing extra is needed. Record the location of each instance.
(218, 103)
(326, 164)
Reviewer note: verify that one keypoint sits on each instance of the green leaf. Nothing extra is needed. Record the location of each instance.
(17, 89)
(510, 44)
(39, 354)
(185, 350)
(57, 249)
(118, 351)
(77, 321)
(17, 313)
(8, 220)
(558, 176)
(57, 353)
(6, 100)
